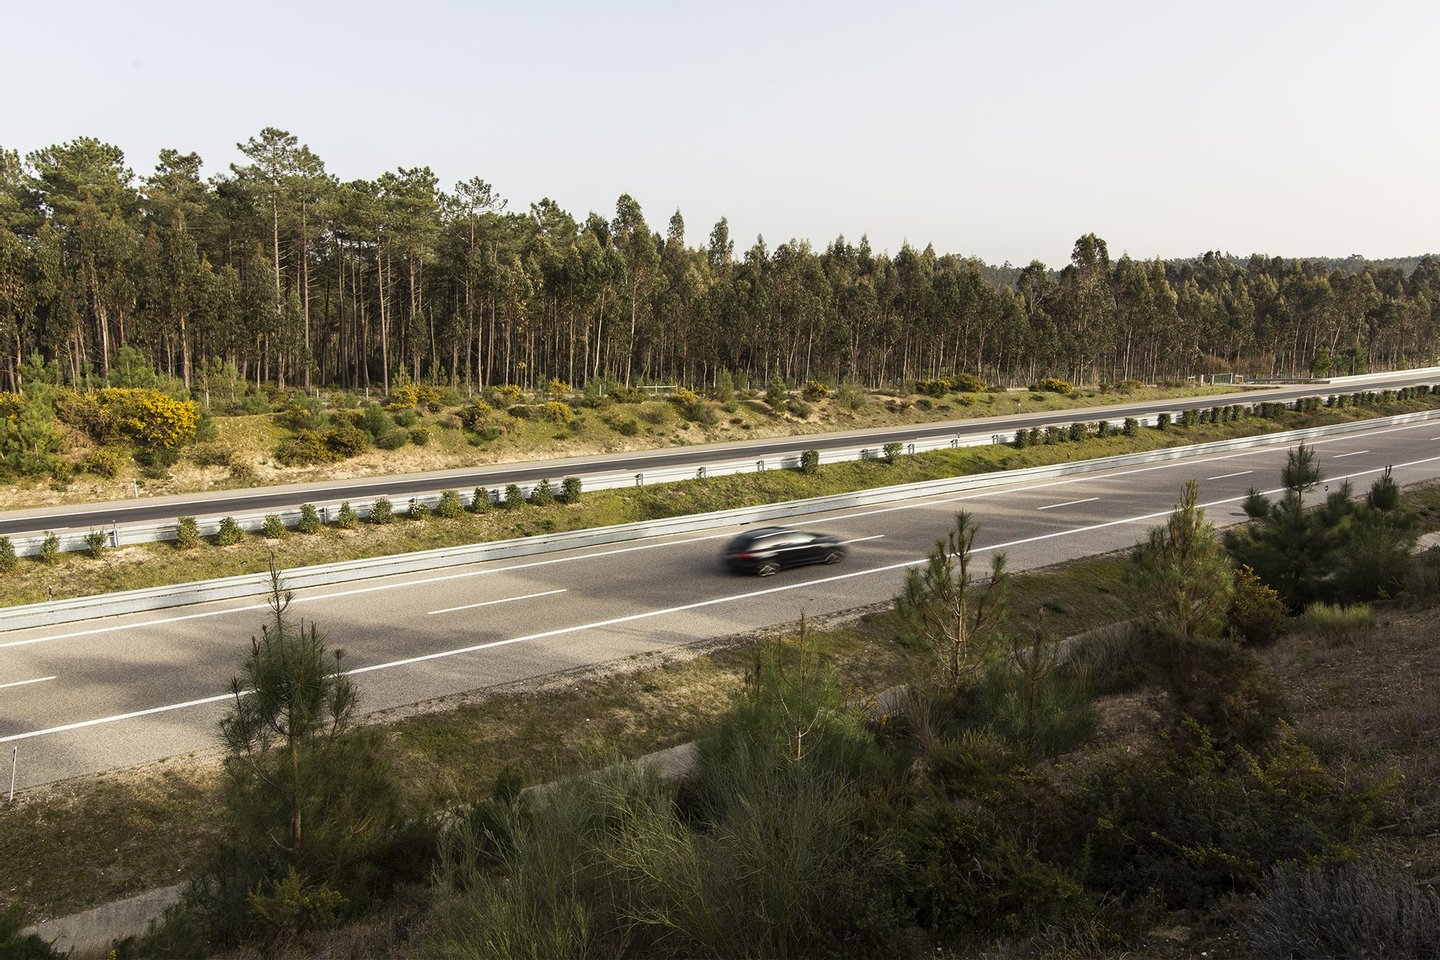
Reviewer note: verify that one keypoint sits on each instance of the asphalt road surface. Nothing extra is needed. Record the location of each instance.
(260, 500)
(105, 694)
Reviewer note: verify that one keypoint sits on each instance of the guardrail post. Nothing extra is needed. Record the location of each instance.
(700, 474)
(954, 443)
(639, 479)
(114, 536)
(997, 438)
(910, 448)
(324, 514)
(759, 466)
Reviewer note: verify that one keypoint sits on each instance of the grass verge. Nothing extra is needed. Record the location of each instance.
(151, 565)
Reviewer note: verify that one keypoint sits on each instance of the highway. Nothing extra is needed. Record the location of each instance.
(111, 693)
(264, 499)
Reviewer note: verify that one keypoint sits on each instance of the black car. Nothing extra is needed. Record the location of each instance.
(765, 550)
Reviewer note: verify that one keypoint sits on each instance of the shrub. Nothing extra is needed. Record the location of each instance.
(505, 395)
(273, 528)
(95, 543)
(148, 418)
(406, 419)
(305, 448)
(799, 408)
(1363, 909)
(382, 511)
(1103, 428)
(49, 549)
(449, 507)
(1078, 431)
(1216, 685)
(103, 463)
(420, 436)
(967, 383)
(514, 496)
(392, 439)
(346, 440)
(810, 462)
(475, 415)
(1054, 435)
(1337, 625)
(1129, 386)
(628, 428)
(932, 388)
(777, 395)
(229, 533)
(724, 387)
(542, 494)
(1022, 439)
(1162, 421)
(557, 412)
(520, 411)
(187, 533)
(346, 518)
(375, 421)
(1256, 616)
(212, 454)
(815, 391)
(570, 490)
(850, 396)
(480, 500)
(891, 451)
(418, 510)
(1131, 428)
(309, 521)
(8, 560)
(1054, 385)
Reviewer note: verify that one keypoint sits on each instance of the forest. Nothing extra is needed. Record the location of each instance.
(295, 278)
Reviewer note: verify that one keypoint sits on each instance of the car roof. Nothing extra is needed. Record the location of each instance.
(761, 532)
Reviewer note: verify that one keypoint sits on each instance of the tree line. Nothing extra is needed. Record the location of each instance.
(297, 278)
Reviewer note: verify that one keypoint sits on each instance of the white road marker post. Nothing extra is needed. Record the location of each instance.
(14, 754)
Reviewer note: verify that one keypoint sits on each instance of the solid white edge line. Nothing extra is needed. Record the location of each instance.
(689, 606)
(922, 503)
(491, 603)
(1227, 476)
(1067, 503)
(22, 683)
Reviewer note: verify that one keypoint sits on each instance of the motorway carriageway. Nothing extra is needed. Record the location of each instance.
(104, 694)
(266, 499)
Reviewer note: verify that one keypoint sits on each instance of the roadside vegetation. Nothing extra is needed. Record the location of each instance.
(563, 505)
(1196, 769)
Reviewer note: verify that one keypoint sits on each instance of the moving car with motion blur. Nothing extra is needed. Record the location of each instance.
(765, 551)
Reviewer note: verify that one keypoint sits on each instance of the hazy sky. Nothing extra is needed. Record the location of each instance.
(1005, 130)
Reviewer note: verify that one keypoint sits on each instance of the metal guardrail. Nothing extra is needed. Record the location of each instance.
(156, 598)
(74, 539)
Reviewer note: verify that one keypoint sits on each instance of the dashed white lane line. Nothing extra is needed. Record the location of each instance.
(650, 614)
(1342, 456)
(878, 536)
(1067, 503)
(1227, 476)
(24, 683)
(491, 603)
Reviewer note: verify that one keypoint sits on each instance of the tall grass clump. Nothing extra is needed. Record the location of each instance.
(1335, 625)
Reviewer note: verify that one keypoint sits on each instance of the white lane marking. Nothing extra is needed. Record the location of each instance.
(914, 505)
(1068, 503)
(878, 536)
(22, 683)
(1342, 456)
(491, 603)
(1227, 476)
(689, 606)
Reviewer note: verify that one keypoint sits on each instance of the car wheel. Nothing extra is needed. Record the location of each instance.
(833, 557)
(767, 569)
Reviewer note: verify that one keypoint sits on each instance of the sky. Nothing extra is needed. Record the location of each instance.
(1000, 130)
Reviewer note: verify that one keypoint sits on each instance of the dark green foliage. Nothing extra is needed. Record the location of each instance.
(309, 521)
(187, 533)
(1256, 616)
(628, 428)
(542, 494)
(420, 436)
(273, 528)
(514, 496)
(777, 394)
(450, 506)
(382, 511)
(810, 461)
(967, 383)
(1037, 703)
(799, 408)
(1216, 687)
(480, 500)
(229, 533)
(1103, 428)
(95, 543)
(1191, 821)
(375, 421)
(1022, 439)
(392, 439)
(417, 510)
(49, 549)
(8, 560)
(1078, 432)
(1183, 571)
(1054, 435)
(1369, 908)
(724, 386)
(346, 518)
(890, 452)
(1162, 421)
(570, 490)
(1132, 427)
